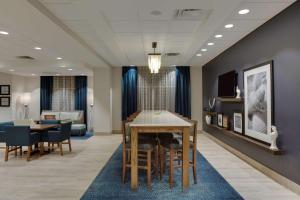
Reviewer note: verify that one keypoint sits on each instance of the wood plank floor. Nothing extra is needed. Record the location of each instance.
(55, 177)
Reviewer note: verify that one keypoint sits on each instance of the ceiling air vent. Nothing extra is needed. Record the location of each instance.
(192, 14)
(25, 57)
(172, 54)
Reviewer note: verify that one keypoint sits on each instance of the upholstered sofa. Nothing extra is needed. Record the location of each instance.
(77, 118)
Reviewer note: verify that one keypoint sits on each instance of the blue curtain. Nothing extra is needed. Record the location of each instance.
(129, 91)
(183, 91)
(46, 93)
(81, 95)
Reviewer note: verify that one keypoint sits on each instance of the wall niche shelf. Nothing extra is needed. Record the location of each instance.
(230, 100)
(249, 140)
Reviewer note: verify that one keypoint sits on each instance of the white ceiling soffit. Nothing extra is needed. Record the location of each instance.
(122, 31)
(28, 28)
(260, 12)
(99, 33)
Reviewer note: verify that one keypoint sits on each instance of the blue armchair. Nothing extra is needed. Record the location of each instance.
(2, 132)
(58, 137)
(19, 136)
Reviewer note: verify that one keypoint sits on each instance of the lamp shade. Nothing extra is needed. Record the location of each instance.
(154, 62)
(26, 98)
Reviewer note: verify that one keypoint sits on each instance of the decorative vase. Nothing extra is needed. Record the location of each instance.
(273, 135)
(208, 119)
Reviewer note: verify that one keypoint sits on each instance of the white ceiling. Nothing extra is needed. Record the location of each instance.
(100, 33)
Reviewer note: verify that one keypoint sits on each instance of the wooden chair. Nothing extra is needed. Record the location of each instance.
(60, 137)
(174, 147)
(18, 136)
(145, 150)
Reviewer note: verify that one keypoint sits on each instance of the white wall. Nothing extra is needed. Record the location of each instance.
(196, 93)
(90, 101)
(116, 99)
(102, 111)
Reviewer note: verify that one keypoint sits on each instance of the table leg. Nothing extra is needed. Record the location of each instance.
(134, 159)
(185, 159)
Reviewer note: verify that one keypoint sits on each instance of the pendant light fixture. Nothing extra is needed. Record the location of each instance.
(154, 60)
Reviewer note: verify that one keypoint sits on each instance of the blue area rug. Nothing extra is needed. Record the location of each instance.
(85, 137)
(211, 185)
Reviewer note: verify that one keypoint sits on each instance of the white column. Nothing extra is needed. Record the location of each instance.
(102, 111)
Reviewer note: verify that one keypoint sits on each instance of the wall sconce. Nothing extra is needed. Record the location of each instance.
(26, 101)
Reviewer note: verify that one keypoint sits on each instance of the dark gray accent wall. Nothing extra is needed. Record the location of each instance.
(277, 40)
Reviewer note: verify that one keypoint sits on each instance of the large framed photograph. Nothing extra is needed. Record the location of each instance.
(4, 101)
(258, 89)
(238, 122)
(4, 89)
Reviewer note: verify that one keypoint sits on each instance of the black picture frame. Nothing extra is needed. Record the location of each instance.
(220, 119)
(268, 68)
(4, 89)
(2, 102)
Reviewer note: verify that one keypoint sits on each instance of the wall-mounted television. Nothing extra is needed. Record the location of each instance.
(227, 84)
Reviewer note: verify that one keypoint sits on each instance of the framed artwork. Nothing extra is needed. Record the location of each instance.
(258, 89)
(220, 119)
(4, 101)
(4, 89)
(225, 122)
(238, 122)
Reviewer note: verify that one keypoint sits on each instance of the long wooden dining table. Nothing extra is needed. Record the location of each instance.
(159, 122)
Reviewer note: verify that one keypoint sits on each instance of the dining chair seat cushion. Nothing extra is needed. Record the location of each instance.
(175, 143)
(148, 136)
(52, 136)
(142, 146)
(165, 136)
(34, 137)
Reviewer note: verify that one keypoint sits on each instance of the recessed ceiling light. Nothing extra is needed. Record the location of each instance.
(58, 58)
(11, 70)
(132, 65)
(57, 74)
(228, 26)
(203, 49)
(33, 74)
(198, 54)
(4, 33)
(70, 69)
(62, 66)
(244, 11)
(173, 65)
(218, 36)
(81, 74)
(37, 48)
(210, 43)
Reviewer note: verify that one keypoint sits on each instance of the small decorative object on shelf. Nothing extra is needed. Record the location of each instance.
(273, 135)
(208, 119)
(211, 104)
(238, 92)
(226, 122)
(220, 119)
(238, 122)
